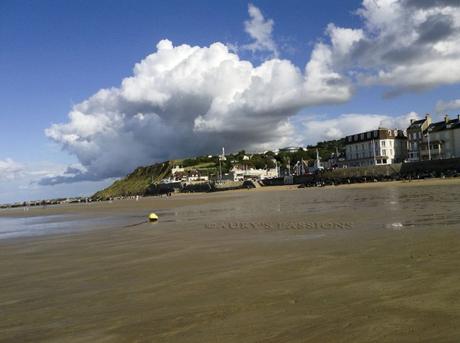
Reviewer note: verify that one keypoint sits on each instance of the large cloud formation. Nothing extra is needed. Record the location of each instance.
(186, 100)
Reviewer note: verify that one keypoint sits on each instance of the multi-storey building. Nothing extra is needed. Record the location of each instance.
(415, 135)
(433, 141)
(377, 147)
(441, 140)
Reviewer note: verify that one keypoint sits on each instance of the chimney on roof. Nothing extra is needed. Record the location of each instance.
(428, 118)
(446, 118)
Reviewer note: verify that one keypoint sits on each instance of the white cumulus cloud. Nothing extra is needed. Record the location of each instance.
(186, 100)
(403, 44)
(260, 30)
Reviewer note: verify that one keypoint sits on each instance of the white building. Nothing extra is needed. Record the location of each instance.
(180, 174)
(241, 173)
(434, 141)
(292, 149)
(377, 147)
(196, 177)
(177, 169)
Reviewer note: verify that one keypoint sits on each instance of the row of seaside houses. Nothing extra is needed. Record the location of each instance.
(422, 140)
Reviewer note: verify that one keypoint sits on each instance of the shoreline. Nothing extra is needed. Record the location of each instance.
(196, 198)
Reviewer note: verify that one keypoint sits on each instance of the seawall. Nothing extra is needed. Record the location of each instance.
(449, 167)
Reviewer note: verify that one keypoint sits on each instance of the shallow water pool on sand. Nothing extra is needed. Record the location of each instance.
(55, 224)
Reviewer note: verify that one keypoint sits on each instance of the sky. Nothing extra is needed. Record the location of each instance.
(92, 89)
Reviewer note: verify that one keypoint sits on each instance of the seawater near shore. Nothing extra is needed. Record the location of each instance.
(16, 227)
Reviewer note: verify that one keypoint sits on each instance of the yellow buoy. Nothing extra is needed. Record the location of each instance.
(153, 217)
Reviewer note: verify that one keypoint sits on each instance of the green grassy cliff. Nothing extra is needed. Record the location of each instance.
(137, 182)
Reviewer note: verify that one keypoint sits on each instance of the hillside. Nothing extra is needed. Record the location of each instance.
(137, 182)
(140, 179)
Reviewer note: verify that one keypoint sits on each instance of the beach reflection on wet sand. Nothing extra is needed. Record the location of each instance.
(339, 264)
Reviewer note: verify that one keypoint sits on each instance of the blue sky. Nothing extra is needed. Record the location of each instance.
(55, 55)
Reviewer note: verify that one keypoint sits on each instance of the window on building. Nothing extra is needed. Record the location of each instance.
(361, 136)
(384, 152)
(384, 161)
(368, 135)
(383, 143)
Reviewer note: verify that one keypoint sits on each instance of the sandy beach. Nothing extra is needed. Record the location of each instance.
(354, 263)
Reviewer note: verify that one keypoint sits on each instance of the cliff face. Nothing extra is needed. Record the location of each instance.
(137, 182)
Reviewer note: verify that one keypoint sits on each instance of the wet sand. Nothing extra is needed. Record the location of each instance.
(354, 263)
